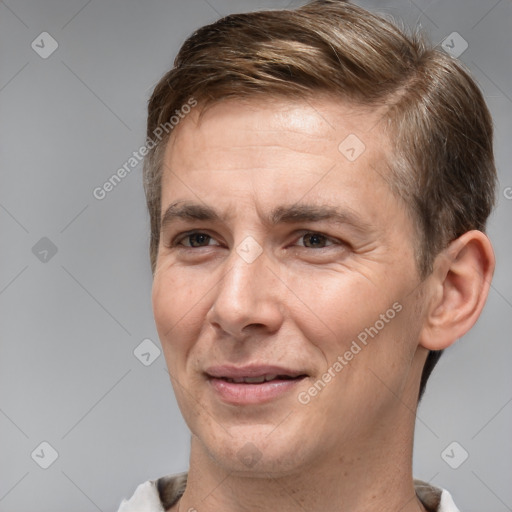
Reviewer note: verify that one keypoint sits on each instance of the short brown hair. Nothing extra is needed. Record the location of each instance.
(440, 127)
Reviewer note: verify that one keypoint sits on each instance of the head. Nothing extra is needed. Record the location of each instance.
(267, 103)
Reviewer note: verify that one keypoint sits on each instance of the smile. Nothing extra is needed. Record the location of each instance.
(252, 385)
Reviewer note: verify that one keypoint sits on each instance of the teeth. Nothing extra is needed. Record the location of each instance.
(253, 380)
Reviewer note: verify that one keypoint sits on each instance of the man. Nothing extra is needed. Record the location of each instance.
(318, 184)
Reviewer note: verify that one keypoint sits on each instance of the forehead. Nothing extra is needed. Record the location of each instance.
(275, 133)
(247, 156)
(254, 161)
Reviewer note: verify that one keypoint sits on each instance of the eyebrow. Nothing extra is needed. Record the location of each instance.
(291, 214)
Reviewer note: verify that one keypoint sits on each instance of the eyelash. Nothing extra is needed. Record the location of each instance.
(175, 242)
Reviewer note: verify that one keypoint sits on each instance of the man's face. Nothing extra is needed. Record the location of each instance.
(327, 309)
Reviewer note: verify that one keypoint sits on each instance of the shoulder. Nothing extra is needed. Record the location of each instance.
(433, 498)
(161, 494)
(155, 495)
(144, 499)
(447, 504)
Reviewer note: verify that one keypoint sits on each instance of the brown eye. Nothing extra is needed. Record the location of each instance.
(194, 239)
(315, 240)
(198, 239)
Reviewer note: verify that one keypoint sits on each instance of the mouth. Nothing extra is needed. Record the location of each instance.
(261, 379)
(252, 384)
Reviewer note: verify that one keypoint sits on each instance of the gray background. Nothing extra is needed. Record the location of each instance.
(70, 324)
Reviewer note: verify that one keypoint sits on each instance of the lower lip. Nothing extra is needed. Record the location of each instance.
(245, 394)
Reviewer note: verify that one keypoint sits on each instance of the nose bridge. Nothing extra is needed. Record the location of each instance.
(245, 294)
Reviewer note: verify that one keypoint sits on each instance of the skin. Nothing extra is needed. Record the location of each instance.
(301, 303)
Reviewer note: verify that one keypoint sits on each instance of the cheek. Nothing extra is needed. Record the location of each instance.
(180, 305)
(334, 309)
(163, 302)
(174, 298)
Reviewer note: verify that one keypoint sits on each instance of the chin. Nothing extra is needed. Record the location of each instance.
(254, 450)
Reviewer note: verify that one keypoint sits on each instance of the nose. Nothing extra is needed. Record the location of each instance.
(247, 298)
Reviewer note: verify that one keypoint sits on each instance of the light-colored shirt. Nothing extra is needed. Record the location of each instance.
(161, 494)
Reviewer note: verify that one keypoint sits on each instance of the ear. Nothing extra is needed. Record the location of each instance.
(458, 288)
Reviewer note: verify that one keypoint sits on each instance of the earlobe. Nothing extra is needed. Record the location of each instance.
(458, 288)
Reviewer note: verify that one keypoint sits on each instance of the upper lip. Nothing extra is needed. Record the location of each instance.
(238, 372)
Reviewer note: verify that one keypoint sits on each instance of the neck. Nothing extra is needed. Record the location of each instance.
(371, 474)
